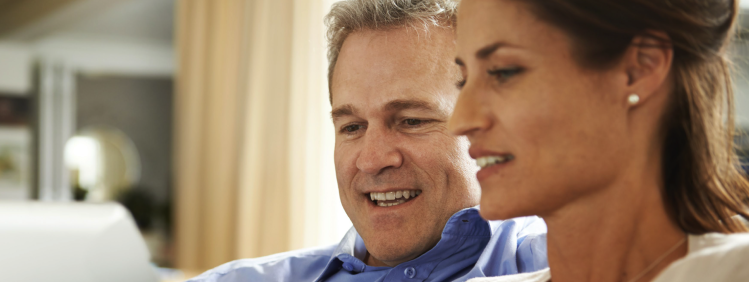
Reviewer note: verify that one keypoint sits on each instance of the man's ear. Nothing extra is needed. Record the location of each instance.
(647, 63)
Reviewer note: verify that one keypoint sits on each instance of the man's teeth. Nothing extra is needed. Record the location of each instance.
(383, 204)
(488, 161)
(400, 196)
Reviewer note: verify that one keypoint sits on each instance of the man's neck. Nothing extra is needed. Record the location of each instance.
(428, 244)
(372, 261)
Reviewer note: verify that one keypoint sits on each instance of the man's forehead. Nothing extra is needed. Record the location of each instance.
(395, 54)
(380, 66)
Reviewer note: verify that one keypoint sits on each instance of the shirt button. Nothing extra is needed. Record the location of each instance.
(410, 272)
(348, 267)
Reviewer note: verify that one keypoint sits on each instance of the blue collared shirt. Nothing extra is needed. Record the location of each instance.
(470, 247)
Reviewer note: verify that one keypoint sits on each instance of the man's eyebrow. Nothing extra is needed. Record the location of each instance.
(405, 104)
(345, 110)
(392, 106)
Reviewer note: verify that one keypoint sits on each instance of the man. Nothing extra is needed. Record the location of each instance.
(407, 185)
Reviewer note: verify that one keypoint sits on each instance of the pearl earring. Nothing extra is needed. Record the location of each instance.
(633, 99)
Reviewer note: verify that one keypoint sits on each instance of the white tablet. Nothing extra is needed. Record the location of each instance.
(73, 242)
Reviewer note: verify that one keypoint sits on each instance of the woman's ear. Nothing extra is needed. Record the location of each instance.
(647, 63)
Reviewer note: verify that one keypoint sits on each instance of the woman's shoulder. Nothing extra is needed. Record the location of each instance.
(717, 242)
(538, 276)
(712, 257)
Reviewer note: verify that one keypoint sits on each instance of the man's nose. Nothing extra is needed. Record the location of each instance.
(379, 152)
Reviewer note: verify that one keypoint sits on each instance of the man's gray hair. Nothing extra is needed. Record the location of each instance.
(349, 16)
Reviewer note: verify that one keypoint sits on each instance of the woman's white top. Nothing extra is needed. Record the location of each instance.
(711, 257)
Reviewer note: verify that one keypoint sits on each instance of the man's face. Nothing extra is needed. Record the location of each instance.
(393, 92)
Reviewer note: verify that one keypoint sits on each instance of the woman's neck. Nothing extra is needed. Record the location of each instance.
(615, 234)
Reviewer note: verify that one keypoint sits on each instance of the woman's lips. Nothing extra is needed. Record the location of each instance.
(491, 165)
(488, 161)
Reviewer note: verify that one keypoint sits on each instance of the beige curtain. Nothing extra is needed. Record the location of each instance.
(251, 155)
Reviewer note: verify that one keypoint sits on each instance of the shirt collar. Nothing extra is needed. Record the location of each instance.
(351, 251)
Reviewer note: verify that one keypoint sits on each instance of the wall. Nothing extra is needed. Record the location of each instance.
(142, 109)
(15, 70)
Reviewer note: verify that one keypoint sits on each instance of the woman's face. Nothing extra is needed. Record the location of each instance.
(557, 131)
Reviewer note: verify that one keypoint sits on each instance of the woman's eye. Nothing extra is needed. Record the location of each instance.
(503, 75)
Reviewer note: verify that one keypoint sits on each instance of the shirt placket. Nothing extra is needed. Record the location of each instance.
(410, 273)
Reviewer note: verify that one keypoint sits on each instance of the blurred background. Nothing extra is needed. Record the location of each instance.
(207, 119)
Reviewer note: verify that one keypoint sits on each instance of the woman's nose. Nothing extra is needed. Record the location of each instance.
(468, 117)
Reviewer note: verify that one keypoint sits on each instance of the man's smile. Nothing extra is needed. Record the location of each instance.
(393, 198)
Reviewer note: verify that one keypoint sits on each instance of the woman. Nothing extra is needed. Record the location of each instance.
(612, 120)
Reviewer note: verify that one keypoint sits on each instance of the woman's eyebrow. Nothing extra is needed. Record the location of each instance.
(485, 51)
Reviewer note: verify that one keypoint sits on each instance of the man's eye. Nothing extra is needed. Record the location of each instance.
(460, 84)
(352, 128)
(413, 121)
(503, 75)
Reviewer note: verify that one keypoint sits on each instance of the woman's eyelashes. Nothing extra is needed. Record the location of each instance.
(501, 75)
(504, 74)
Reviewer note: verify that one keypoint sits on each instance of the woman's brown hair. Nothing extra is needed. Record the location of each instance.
(705, 189)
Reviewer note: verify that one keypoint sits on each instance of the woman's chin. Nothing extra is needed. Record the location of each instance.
(499, 210)
(498, 204)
